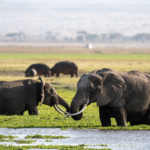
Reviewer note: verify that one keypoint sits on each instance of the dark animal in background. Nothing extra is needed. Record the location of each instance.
(124, 96)
(32, 72)
(41, 69)
(18, 96)
(64, 67)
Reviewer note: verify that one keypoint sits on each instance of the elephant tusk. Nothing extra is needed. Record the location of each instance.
(55, 106)
(62, 110)
(67, 115)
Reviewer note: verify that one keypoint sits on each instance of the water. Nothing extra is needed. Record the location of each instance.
(116, 140)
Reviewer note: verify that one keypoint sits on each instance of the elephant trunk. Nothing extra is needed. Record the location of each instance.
(78, 102)
(62, 102)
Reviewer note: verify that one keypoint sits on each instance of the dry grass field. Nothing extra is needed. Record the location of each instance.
(15, 60)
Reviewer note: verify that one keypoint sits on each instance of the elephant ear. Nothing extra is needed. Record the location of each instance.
(42, 89)
(95, 80)
(112, 87)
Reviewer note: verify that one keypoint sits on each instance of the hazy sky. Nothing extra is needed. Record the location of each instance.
(82, 1)
(67, 17)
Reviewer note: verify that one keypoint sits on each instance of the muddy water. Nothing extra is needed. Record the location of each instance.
(116, 140)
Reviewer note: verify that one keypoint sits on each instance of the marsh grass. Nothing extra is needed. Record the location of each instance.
(7, 140)
(7, 136)
(61, 147)
(66, 87)
(38, 136)
(25, 141)
(48, 140)
(17, 141)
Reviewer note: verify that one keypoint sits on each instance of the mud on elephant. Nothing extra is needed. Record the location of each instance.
(18, 96)
(123, 96)
(38, 69)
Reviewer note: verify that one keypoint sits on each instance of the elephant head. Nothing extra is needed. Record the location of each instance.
(103, 89)
(50, 97)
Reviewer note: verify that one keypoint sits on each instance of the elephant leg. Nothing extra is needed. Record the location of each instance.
(33, 111)
(22, 113)
(146, 120)
(104, 116)
(120, 116)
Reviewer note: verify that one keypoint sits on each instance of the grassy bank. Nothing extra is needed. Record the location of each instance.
(85, 62)
(71, 56)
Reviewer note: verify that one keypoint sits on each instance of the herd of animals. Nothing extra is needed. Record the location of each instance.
(64, 67)
(124, 96)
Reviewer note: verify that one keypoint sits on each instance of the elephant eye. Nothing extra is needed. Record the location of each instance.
(51, 91)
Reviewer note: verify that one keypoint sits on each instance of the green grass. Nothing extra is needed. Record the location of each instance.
(38, 136)
(7, 136)
(61, 147)
(48, 117)
(17, 141)
(48, 140)
(74, 56)
(25, 141)
(6, 140)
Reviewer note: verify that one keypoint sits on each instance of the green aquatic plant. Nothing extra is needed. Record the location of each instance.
(25, 141)
(7, 136)
(7, 140)
(60, 147)
(48, 140)
(46, 136)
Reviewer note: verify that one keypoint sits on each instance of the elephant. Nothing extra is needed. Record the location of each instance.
(40, 69)
(32, 72)
(64, 67)
(18, 96)
(124, 96)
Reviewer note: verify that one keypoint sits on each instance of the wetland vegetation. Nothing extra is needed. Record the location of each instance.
(61, 147)
(38, 136)
(13, 66)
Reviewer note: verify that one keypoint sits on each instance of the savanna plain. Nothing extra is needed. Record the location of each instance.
(15, 60)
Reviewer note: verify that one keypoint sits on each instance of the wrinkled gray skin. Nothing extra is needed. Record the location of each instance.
(41, 69)
(123, 96)
(32, 72)
(18, 96)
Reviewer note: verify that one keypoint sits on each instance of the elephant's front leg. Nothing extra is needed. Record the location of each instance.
(104, 114)
(120, 116)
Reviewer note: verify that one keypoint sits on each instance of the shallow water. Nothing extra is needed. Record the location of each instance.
(116, 140)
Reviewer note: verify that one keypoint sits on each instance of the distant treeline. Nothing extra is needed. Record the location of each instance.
(81, 36)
